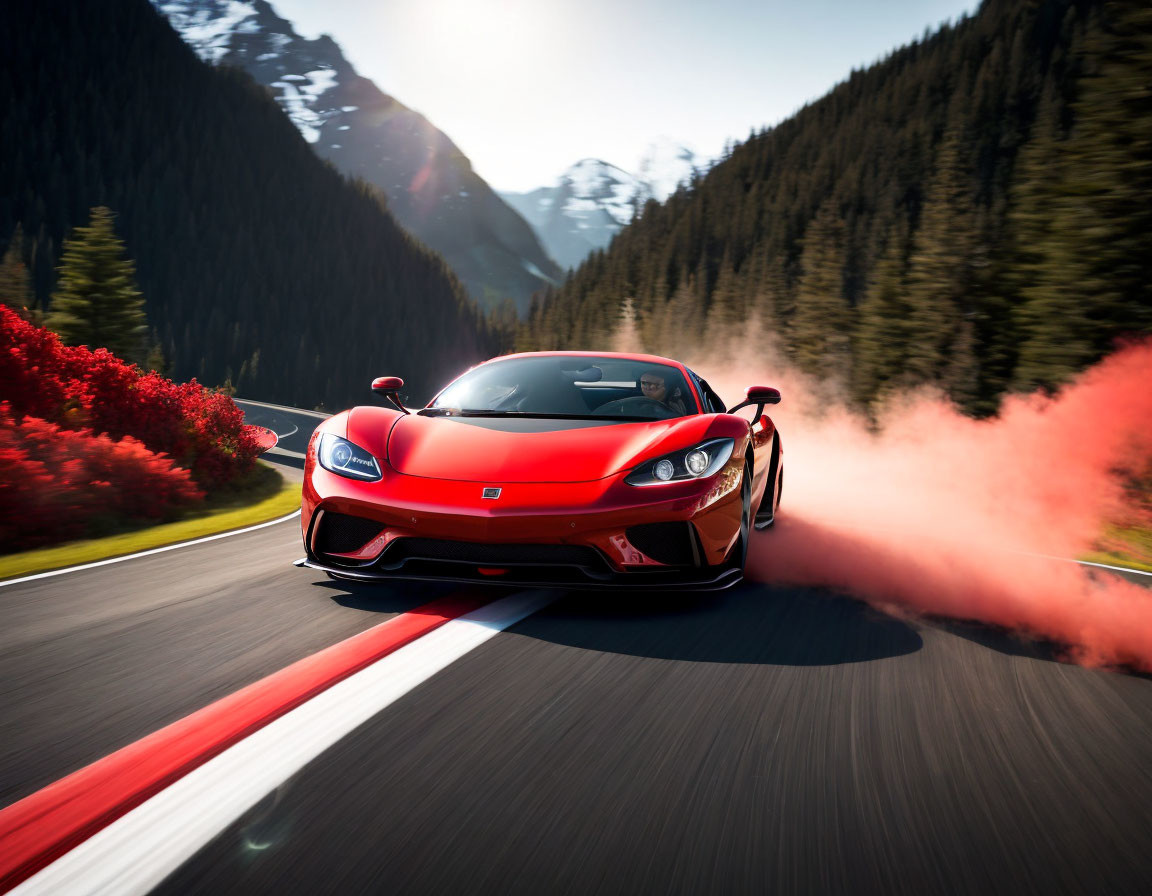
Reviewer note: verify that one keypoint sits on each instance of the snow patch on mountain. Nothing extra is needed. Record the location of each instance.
(213, 29)
(592, 200)
(208, 25)
(430, 186)
(592, 185)
(665, 166)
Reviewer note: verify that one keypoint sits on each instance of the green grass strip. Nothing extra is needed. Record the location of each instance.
(1129, 546)
(1112, 559)
(268, 497)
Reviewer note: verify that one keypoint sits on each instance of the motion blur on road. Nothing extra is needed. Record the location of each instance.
(771, 738)
(925, 222)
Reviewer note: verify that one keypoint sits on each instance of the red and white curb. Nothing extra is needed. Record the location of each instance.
(123, 824)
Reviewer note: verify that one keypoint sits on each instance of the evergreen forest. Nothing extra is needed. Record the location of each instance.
(259, 264)
(972, 212)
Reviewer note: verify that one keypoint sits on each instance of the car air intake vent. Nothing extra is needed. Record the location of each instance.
(672, 542)
(342, 534)
(492, 554)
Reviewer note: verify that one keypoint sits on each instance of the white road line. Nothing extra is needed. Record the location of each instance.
(167, 547)
(286, 452)
(1139, 572)
(139, 850)
(281, 407)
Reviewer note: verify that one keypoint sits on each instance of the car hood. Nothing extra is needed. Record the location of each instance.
(497, 450)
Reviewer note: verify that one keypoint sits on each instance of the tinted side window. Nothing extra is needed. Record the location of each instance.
(713, 404)
(713, 398)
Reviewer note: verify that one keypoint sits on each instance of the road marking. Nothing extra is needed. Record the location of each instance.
(282, 407)
(137, 851)
(1139, 572)
(167, 547)
(287, 453)
(38, 829)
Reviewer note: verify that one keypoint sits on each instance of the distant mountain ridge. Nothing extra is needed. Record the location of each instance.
(431, 187)
(592, 200)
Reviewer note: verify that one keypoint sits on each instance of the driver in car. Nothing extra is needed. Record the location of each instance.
(653, 385)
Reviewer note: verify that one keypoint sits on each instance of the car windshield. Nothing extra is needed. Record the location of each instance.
(578, 387)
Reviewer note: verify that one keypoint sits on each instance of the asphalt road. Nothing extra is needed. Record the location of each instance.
(765, 739)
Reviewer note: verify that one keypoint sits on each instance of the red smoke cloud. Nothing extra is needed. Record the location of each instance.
(942, 514)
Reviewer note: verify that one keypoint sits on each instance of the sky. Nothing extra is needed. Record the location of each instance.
(526, 88)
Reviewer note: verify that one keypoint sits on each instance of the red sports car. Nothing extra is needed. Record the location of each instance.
(574, 469)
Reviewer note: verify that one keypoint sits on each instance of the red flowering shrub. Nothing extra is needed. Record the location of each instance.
(35, 368)
(78, 388)
(58, 484)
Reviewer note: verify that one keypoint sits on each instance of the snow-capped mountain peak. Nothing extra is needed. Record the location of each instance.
(591, 185)
(592, 200)
(665, 166)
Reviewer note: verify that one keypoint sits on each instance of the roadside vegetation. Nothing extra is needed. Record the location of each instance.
(1131, 547)
(91, 444)
(1127, 541)
(100, 457)
(257, 497)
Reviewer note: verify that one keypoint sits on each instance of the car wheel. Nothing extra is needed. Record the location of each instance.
(770, 500)
(739, 555)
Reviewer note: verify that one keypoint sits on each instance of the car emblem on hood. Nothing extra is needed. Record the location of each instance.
(490, 492)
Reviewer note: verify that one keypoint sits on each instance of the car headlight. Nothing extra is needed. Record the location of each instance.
(344, 458)
(695, 463)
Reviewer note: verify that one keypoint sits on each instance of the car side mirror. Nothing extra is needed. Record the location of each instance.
(759, 396)
(388, 387)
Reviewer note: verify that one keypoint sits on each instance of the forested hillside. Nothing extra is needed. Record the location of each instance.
(973, 211)
(257, 261)
(364, 132)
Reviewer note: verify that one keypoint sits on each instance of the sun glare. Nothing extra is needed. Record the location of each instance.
(478, 39)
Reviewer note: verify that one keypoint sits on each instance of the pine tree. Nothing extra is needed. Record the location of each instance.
(820, 335)
(725, 318)
(678, 326)
(881, 329)
(1082, 215)
(1109, 152)
(97, 303)
(939, 270)
(1050, 311)
(15, 283)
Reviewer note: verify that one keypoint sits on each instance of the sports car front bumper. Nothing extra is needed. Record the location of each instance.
(666, 580)
(599, 534)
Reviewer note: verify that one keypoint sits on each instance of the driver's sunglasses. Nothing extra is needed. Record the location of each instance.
(651, 384)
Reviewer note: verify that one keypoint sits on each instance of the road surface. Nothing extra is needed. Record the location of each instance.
(764, 739)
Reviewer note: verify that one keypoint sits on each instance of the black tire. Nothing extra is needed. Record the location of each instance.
(773, 490)
(739, 555)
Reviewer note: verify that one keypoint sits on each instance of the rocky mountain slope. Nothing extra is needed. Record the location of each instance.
(430, 185)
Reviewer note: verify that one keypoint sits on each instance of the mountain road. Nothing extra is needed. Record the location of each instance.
(763, 739)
